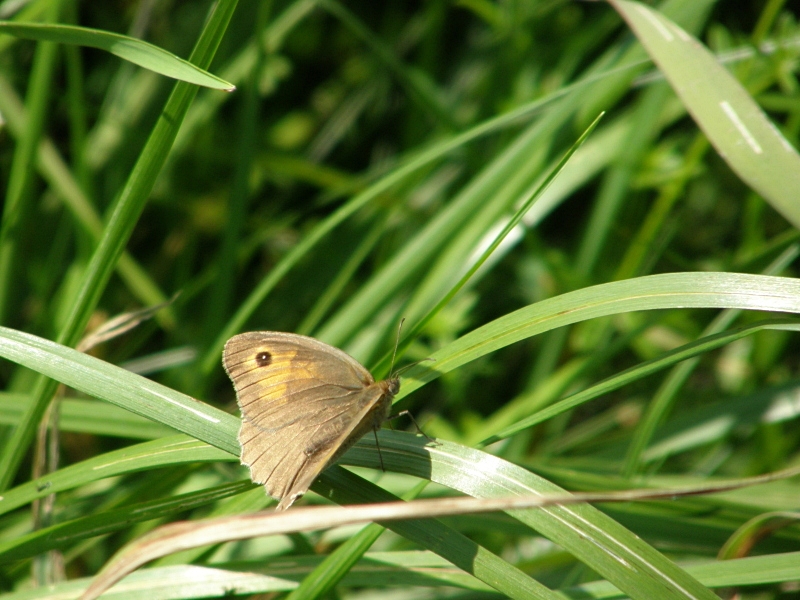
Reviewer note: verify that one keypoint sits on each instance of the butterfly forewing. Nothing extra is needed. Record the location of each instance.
(300, 400)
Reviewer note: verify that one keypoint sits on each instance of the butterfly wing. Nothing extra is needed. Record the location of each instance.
(300, 400)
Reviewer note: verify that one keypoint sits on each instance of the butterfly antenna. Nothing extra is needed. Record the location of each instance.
(396, 344)
(414, 364)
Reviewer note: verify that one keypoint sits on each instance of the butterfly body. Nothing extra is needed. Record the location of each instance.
(304, 403)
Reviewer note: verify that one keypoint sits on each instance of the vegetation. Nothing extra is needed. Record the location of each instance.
(634, 329)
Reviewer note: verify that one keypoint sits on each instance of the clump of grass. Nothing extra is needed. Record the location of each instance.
(616, 338)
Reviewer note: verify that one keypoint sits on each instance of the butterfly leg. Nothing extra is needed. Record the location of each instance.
(380, 455)
(405, 413)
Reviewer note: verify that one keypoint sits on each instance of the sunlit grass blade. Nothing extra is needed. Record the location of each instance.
(737, 127)
(669, 290)
(123, 219)
(696, 348)
(138, 52)
(584, 531)
(674, 290)
(69, 532)
(665, 394)
(88, 416)
(383, 365)
(132, 392)
(169, 451)
(344, 487)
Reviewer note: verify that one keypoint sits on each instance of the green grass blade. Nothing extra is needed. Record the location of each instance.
(737, 127)
(670, 290)
(132, 392)
(164, 452)
(696, 348)
(55, 171)
(597, 540)
(138, 52)
(120, 226)
(70, 532)
(19, 194)
(87, 416)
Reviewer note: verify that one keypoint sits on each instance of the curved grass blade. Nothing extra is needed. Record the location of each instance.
(383, 366)
(69, 532)
(121, 387)
(169, 451)
(669, 290)
(746, 536)
(158, 402)
(620, 556)
(122, 220)
(404, 568)
(734, 123)
(138, 52)
(87, 416)
(696, 348)
(665, 395)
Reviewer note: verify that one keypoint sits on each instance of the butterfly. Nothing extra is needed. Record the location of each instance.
(304, 404)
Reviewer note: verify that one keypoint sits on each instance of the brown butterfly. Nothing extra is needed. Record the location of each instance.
(303, 403)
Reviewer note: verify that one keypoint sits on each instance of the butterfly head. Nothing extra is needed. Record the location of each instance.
(393, 385)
